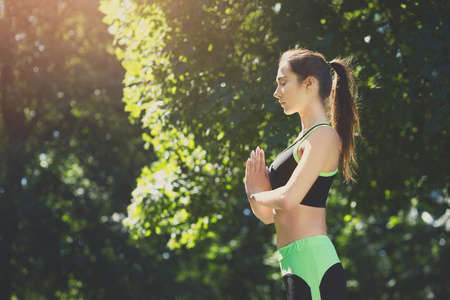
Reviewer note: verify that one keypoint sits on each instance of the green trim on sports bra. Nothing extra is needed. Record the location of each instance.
(297, 159)
(329, 174)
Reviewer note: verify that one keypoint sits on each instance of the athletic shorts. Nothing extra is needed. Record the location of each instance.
(311, 270)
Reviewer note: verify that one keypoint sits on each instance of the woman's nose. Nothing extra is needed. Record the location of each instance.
(277, 94)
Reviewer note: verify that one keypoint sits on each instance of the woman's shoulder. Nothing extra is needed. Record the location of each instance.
(324, 136)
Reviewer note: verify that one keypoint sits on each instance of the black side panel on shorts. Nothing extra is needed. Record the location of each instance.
(333, 284)
(296, 288)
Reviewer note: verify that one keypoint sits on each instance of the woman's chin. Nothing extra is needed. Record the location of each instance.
(288, 112)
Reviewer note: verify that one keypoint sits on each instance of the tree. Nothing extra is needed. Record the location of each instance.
(198, 78)
(69, 159)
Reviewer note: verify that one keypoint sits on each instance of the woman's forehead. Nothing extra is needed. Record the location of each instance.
(284, 71)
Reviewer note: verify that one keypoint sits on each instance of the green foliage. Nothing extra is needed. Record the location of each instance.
(199, 80)
(192, 99)
(192, 107)
(69, 159)
(199, 77)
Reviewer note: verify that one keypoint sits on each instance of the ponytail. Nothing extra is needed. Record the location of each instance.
(344, 114)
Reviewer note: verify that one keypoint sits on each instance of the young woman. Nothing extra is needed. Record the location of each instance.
(292, 193)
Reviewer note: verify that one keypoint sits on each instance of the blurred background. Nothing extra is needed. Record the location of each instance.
(125, 126)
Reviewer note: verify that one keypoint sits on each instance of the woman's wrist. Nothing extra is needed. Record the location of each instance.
(253, 192)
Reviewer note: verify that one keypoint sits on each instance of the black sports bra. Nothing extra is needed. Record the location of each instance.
(284, 165)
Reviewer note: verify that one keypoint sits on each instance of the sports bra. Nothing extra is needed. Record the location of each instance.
(284, 165)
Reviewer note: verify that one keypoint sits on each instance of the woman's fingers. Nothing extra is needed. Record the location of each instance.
(258, 160)
(256, 163)
(253, 165)
(247, 167)
(262, 162)
(256, 172)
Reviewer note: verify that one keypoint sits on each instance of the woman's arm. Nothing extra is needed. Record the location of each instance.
(257, 179)
(317, 150)
(263, 213)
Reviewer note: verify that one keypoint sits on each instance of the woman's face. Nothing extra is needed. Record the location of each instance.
(290, 93)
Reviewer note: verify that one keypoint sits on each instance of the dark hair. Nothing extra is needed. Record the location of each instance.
(341, 93)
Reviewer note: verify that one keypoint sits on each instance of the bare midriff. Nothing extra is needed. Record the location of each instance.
(298, 223)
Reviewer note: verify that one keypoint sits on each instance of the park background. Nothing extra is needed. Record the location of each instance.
(125, 126)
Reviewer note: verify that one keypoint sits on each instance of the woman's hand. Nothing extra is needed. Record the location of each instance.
(257, 180)
(256, 173)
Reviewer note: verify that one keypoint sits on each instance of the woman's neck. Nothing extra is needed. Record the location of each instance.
(312, 118)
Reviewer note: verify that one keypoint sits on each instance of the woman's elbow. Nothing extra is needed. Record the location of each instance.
(287, 200)
(268, 221)
(264, 217)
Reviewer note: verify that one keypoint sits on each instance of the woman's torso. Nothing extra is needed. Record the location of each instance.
(298, 223)
(304, 220)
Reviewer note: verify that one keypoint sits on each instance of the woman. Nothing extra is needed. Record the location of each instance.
(292, 192)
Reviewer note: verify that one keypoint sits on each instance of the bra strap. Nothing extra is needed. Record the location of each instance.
(297, 159)
(310, 131)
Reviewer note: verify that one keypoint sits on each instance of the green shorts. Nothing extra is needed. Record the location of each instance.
(311, 269)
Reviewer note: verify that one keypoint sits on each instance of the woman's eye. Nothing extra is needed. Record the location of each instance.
(283, 84)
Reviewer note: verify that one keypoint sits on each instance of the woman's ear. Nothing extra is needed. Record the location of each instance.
(310, 81)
